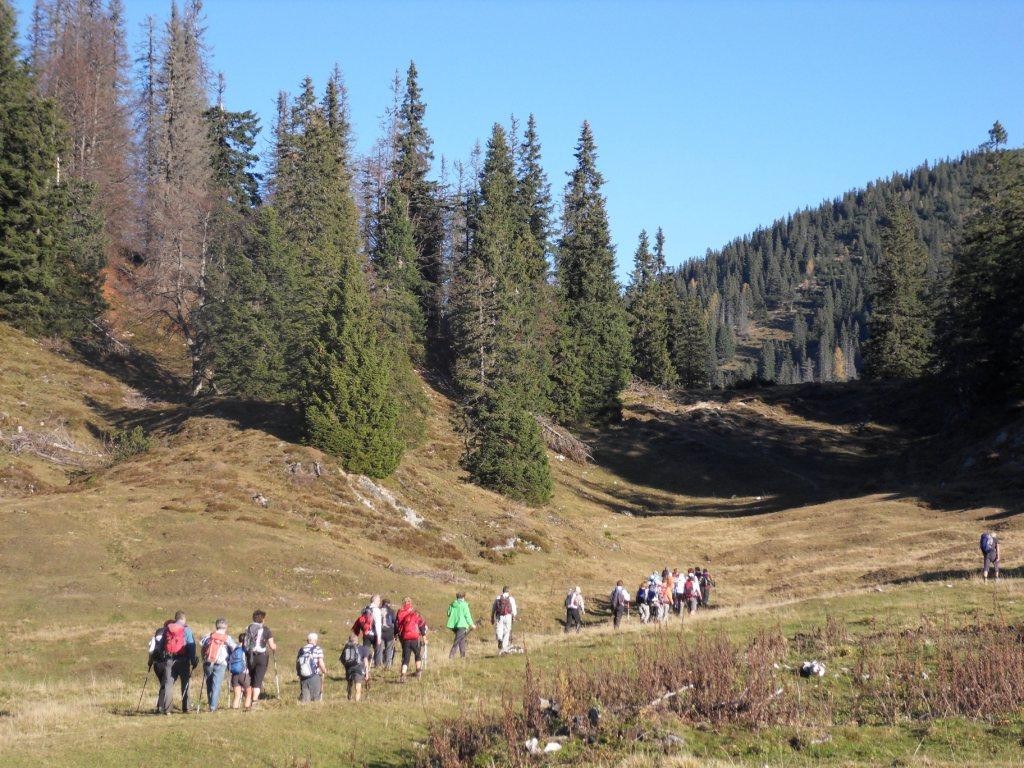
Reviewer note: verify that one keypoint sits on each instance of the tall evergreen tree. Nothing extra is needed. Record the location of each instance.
(400, 279)
(592, 367)
(495, 339)
(692, 348)
(50, 250)
(412, 163)
(343, 363)
(899, 334)
(983, 326)
(647, 298)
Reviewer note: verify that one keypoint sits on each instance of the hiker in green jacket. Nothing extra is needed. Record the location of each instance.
(460, 621)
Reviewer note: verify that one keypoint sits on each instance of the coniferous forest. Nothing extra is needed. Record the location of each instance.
(328, 282)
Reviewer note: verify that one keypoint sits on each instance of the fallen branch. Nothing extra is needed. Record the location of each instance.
(561, 441)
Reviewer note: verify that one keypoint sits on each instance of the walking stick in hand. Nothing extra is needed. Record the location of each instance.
(145, 682)
(277, 677)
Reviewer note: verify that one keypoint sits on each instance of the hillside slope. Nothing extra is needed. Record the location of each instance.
(790, 494)
(799, 289)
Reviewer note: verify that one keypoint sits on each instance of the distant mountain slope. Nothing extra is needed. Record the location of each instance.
(790, 301)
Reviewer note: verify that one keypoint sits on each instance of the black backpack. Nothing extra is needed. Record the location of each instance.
(350, 656)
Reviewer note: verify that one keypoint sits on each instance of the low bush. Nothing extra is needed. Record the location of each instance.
(125, 443)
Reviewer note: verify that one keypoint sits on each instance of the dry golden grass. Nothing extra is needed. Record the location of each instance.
(786, 505)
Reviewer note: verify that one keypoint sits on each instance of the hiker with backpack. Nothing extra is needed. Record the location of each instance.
(387, 634)
(619, 601)
(706, 583)
(172, 655)
(309, 666)
(691, 593)
(217, 646)
(355, 658)
(574, 609)
(259, 644)
(412, 633)
(677, 592)
(460, 622)
(643, 603)
(238, 666)
(503, 613)
(368, 628)
(990, 552)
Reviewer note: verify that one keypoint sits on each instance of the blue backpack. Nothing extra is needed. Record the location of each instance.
(988, 542)
(236, 661)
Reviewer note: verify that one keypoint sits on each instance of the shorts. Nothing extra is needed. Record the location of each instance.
(356, 674)
(240, 679)
(991, 561)
(258, 668)
(411, 648)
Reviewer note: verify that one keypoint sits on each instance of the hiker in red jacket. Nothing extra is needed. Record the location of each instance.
(412, 633)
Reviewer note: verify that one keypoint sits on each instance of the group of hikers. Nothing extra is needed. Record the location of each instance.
(245, 660)
(657, 597)
(174, 652)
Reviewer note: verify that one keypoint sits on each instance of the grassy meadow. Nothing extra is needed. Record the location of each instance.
(805, 503)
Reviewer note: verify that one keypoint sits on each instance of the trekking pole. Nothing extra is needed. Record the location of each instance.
(277, 677)
(206, 682)
(145, 683)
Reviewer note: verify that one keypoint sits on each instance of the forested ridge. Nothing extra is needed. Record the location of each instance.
(323, 284)
(790, 303)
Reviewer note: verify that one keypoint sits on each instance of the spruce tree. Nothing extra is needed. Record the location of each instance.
(648, 297)
(344, 363)
(766, 362)
(692, 348)
(899, 333)
(534, 193)
(229, 279)
(495, 336)
(412, 163)
(983, 326)
(505, 450)
(51, 252)
(592, 367)
(400, 280)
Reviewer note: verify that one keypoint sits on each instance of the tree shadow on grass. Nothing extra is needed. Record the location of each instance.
(754, 452)
(277, 419)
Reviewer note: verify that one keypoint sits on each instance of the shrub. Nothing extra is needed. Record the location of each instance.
(125, 443)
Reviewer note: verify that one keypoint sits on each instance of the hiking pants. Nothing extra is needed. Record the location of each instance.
(389, 653)
(503, 631)
(182, 671)
(617, 617)
(677, 602)
(311, 688)
(459, 644)
(573, 620)
(214, 674)
(163, 670)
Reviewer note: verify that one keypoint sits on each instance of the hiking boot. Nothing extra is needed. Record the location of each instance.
(401, 678)
(419, 673)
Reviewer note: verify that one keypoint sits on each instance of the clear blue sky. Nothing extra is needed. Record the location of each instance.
(711, 118)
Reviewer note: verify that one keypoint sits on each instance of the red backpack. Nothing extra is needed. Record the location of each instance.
(213, 646)
(364, 624)
(688, 589)
(504, 606)
(174, 638)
